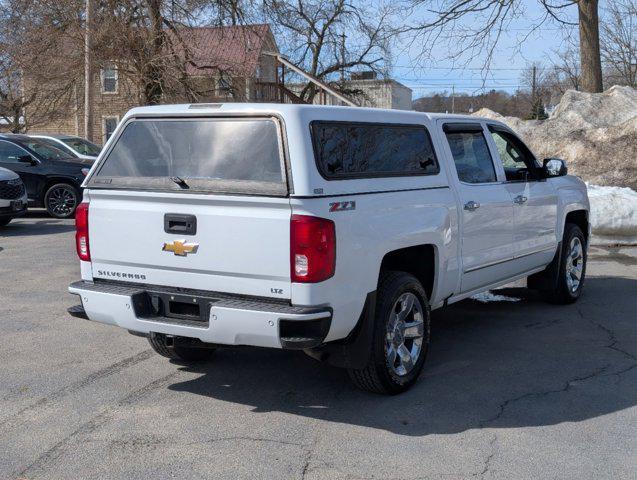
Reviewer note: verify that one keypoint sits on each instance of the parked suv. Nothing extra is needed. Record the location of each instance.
(13, 196)
(326, 229)
(75, 146)
(52, 177)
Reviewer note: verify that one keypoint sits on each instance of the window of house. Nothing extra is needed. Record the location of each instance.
(108, 127)
(224, 86)
(357, 150)
(109, 79)
(471, 155)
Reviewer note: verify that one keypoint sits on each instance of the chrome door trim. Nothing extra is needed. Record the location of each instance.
(498, 262)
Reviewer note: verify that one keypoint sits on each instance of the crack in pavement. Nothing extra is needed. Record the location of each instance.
(487, 461)
(613, 345)
(309, 449)
(39, 466)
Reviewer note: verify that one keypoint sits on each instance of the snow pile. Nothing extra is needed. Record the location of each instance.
(613, 215)
(596, 133)
(487, 297)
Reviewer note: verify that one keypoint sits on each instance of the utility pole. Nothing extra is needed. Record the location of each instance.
(453, 99)
(534, 82)
(88, 97)
(534, 90)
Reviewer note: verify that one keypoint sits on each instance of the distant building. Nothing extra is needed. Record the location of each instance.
(367, 90)
(378, 93)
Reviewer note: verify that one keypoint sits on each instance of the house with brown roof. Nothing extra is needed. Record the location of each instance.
(223, 64)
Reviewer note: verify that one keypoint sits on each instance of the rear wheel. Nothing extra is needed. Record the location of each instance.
(401, 336)
(61, 200)
(168, 347)
(572, 269)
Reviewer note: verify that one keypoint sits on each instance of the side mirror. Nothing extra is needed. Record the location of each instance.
(27, 159)
(554, 167)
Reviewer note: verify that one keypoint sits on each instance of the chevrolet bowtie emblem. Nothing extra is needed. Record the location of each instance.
(180, 247)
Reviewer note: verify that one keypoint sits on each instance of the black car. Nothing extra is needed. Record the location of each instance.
(52, 177)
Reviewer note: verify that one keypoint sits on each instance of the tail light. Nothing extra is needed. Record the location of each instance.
(312, 249)
(81, 232)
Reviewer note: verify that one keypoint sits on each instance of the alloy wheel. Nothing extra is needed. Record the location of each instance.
(62, 201)
(574, 265)
(405, 334)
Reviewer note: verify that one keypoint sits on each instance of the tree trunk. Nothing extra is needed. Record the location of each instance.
(590, 59)
(154, 81)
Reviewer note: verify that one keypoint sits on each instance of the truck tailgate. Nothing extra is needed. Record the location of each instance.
(241, 244)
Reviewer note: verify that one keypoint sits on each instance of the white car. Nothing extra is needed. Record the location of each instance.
(332, 230)
(13, 196)
(76, 146)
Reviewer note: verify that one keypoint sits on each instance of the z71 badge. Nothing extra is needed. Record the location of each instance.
(342, 206)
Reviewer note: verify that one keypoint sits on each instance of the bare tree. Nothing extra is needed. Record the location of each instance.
(565, 73)
(314, 31)
(476, 26)
(619, 42)
(34, 52)
(146, 37)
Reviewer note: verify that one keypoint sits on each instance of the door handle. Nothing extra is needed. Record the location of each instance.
(520, 199)
(471, 206)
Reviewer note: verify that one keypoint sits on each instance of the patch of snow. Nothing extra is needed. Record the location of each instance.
(486, 297)
(613, 215)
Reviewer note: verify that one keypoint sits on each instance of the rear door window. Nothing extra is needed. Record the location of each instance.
(359, 150)
(219, 155)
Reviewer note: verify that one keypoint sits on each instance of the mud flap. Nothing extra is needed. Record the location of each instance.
(354, 350)
(547, 279)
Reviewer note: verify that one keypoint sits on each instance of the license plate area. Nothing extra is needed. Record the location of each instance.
(172, 308)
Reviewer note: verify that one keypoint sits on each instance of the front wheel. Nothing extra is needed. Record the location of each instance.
(167, 347)
(61, 200)
(5, 221)
(572, 269)
(400, 338)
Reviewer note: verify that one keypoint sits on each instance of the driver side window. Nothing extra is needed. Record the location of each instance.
(517, 160)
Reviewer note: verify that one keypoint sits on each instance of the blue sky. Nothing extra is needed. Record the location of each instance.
(511, 58)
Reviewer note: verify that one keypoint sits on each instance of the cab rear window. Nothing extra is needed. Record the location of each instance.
(358, 150)
(218, 155)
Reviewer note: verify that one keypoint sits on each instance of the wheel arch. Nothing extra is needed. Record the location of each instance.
(419, 260)
(50, 181)
(579, 217)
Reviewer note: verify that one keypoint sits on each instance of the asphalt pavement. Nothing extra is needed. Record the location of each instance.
(511, 389)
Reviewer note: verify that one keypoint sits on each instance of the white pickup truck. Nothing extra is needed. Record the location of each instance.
(332, 230)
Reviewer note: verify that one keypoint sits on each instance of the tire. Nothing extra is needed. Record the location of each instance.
(61, 200)
(572, 268)
(5, 221)
(381, 374)
(165, 346)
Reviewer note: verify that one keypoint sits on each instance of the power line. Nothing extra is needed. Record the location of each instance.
(479, 69)
(455, 79)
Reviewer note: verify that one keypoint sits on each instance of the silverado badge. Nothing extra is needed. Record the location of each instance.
(181, 248)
